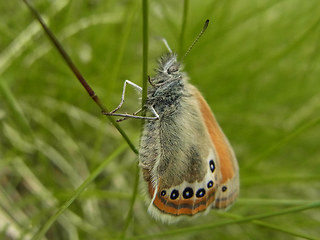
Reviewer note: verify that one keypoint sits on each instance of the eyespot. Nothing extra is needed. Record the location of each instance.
(174, 194)
(212, 165)
(210, 184)
(163, 193)
(172, 69)
(224, 188)
(187, 193)
(200, 193)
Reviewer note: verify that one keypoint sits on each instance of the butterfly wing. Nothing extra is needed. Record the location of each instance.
(229, 180)
(182, 164)
(186, 198)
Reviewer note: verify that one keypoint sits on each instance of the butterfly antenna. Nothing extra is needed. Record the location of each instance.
(197, 38)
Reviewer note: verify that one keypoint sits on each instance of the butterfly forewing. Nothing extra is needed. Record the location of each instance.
(229, 184)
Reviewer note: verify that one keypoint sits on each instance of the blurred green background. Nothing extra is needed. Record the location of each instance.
(258, 66)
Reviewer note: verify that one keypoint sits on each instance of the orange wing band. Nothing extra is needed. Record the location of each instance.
(180, 206)
(218, 138)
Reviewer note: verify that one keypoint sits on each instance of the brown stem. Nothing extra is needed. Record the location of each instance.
(77, 73)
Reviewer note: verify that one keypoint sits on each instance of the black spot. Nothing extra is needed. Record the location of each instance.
(212, 166)
(174, 194)
(224, 188)
(188, 193)
(201, 192)
(163, 193)
(210, 184)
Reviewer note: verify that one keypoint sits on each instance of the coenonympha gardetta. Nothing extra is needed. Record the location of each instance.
(187, 162)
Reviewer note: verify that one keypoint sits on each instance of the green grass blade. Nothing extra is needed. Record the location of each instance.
(183, 26)
(283, 142)
(17, 111)
(228, 222)
(145, 49)
(46, 226)
(274, 227)
(125, 36)
(133, 199)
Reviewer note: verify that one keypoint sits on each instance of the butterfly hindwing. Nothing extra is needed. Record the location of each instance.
(188, 198)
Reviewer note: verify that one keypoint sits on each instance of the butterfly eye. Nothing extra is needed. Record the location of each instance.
(172, 69)
(224, 188)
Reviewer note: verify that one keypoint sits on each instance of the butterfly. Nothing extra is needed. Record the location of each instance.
(187, 163)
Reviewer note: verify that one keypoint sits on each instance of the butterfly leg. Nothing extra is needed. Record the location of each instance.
(123, 93)
(156, 115)
(125, 118)
(125, 115)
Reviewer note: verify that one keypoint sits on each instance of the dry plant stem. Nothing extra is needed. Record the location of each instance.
(77, 73)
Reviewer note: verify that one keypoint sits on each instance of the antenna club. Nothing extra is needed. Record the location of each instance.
(206, 24)
(197, 38)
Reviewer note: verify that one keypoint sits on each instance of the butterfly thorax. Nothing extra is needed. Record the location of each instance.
(167, 86)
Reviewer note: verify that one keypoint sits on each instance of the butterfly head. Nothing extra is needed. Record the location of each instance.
(169, 65)
(168, 70)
